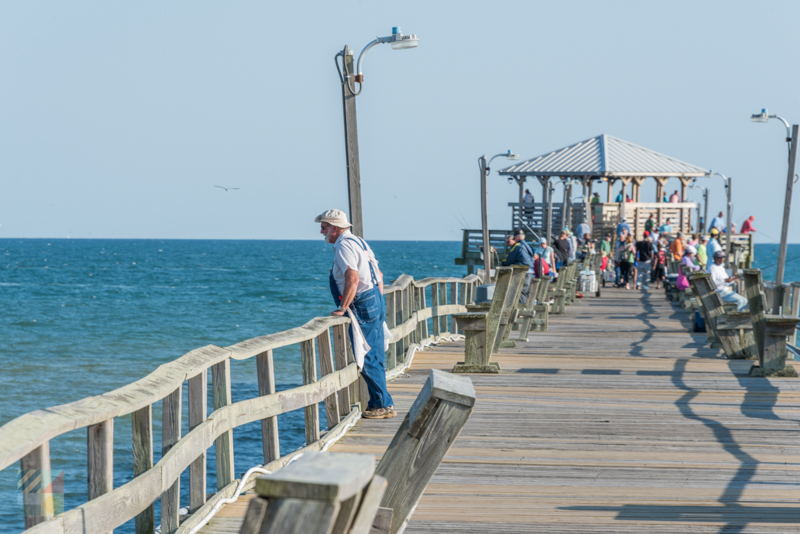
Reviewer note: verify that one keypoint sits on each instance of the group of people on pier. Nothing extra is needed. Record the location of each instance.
(636, 263)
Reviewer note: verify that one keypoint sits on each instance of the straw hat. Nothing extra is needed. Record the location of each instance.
(334, 218)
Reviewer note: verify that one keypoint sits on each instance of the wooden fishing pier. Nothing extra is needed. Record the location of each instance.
(617, 419)
(600, 414)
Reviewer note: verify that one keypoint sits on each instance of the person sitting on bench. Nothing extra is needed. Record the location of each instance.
(723, 283)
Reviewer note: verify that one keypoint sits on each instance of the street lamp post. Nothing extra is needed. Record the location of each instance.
(791, 138)
(487, 248)
(728, 236)
(349, 78)
(702, 228)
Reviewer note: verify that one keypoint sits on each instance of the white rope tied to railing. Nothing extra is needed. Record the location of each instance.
(260, 469)
(412, 350)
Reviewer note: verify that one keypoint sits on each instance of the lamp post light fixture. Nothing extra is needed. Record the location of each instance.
(791, 138)
(483, 164)
(728, 238)
(702, 228)
(349, 76)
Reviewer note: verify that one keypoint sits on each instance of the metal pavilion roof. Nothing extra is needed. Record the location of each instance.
(603, 155)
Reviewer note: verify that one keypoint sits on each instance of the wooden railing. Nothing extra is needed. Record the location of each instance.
(27, 438)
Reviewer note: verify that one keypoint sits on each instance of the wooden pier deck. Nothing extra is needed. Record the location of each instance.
(616, 420)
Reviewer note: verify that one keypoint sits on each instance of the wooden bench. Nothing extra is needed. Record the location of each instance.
(485, 325)
(343, 493)
(558, 293)
(727, 328)
(536, 310)
(571, 285)
(770, 331)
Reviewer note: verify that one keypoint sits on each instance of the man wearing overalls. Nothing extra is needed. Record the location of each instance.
(357, 283)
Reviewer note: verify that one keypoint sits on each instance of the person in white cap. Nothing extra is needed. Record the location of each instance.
(722, 282)
(357, 283)
(623, 225)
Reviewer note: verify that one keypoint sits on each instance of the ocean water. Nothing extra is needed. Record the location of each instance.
(766, 259)
(82, 317)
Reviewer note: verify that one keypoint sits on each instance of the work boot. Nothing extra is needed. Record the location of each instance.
(379, 413)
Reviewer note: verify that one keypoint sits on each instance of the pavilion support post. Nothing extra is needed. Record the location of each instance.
(564, 220)
(686, 213)
(545, 225)
(610, 190)
(521, 182)
(625, 181)
(637, 182)
(550, 190)
(661, 181)
(587, 217)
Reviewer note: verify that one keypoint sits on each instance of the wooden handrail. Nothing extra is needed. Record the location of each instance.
(27, 437)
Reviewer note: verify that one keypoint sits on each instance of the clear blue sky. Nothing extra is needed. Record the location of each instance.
(117, 119)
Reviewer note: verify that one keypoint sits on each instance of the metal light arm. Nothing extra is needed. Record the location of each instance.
(378, 40)
(700, 187)
(785, 123)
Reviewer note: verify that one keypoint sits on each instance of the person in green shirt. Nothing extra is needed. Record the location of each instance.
(650, 223)
(701, 258)
(605, 244)
(596, 198)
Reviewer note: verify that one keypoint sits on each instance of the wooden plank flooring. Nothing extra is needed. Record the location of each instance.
(616, 420)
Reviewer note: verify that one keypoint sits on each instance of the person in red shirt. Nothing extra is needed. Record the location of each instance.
(747, 226)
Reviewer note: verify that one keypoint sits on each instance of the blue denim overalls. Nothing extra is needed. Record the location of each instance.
(370, 310)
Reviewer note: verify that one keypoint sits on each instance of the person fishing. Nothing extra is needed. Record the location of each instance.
(519, 253)
(357, 283)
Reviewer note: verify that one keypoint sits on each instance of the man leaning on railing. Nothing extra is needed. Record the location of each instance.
(357, 283)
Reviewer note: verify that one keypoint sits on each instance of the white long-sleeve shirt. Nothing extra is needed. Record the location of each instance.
(718, 276)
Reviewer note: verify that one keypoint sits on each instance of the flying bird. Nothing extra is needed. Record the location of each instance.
(227, 188)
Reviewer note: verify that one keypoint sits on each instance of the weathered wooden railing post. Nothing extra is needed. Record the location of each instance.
(170, 435)
(428, 431)
(309, 377)
(198, 412)
(35, 467)
(391, 322)
(331, 493)
(423, 303)
(453, 300)
(142, 434)
(221, 397)
(795, 308)
(326, 367)
(434, 305)
(340, 343)
(265, 369)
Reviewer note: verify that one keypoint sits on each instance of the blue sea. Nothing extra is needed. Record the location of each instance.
(82, 317)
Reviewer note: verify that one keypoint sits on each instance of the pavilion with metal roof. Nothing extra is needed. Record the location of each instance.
(608, 159)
